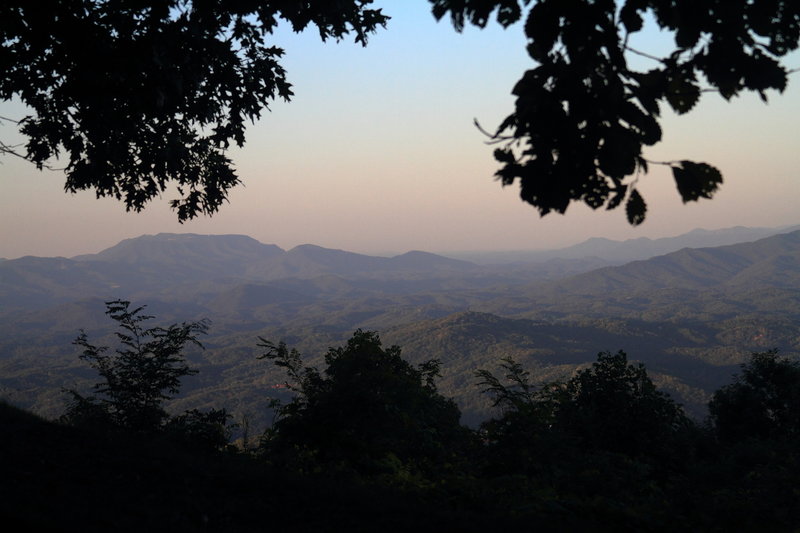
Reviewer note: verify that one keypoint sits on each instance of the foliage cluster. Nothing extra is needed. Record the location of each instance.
(584, 113)
(139, 376)
(369, 412)
(604, 446)
(763, 401)
(168, 87)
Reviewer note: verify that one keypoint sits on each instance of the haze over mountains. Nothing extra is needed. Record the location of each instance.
(619, 252)
(156, 262)
(690, 315)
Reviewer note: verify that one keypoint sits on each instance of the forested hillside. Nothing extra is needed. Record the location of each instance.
(691, 315)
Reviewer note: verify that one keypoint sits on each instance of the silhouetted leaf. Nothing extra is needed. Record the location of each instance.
(682, 95)
(504, 156)
(696, 180)
(688, 34)
(635, 208)
(764, 73)
(630, 17)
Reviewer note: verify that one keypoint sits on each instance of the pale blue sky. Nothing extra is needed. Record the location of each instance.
(377, 153)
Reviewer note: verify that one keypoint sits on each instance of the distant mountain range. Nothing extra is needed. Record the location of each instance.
(154, 263)
(151, 264)
(691, 315)
(769, 262)
(204, 256)
(618, 252)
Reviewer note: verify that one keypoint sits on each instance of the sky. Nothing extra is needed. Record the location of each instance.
(377, 153)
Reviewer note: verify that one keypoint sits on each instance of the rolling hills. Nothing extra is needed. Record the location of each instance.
(691, 315)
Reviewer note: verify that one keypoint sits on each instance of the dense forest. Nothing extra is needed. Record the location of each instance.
(367, 442)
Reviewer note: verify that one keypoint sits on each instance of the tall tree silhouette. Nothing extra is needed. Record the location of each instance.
(143, 372)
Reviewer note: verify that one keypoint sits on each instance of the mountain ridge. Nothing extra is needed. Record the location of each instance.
(691, 315)
(618, 252)
(694, 268)
(178, 263)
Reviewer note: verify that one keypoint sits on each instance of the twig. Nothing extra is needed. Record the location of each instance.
(643, 54)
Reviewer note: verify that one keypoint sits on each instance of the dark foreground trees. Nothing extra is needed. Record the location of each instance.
(763, 402)
(602, 444)
(143, 371)
(754, 474)
(613, 407)
(605, 447)
(602, 450)
(368, 412)
(369, 443)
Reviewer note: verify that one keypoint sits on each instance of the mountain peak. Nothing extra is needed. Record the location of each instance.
(162, 245)
(417, 259)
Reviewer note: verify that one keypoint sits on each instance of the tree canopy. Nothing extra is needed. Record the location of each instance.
(137, 95)
(169, 85)
(369, 411)
(585, 113)
(143, 372)
(612, 406)
(762, 402)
